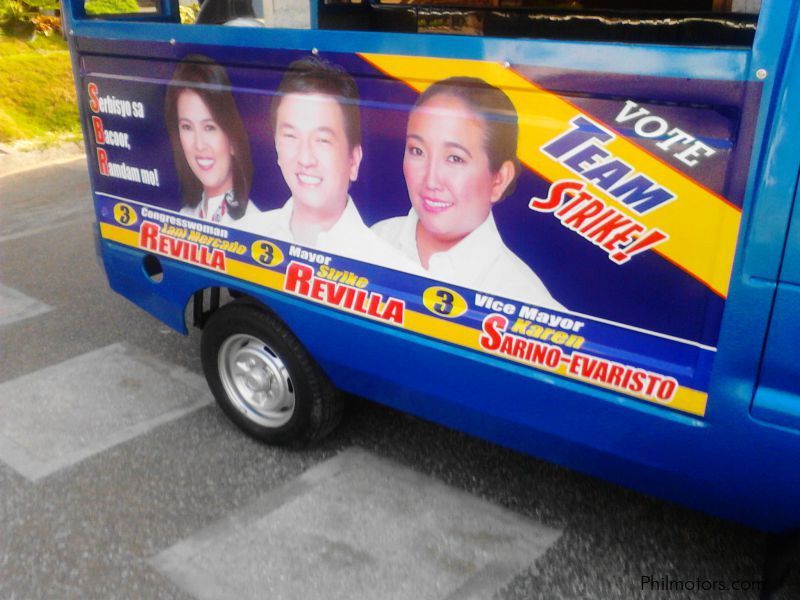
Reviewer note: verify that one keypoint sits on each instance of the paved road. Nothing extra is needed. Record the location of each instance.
(120, 479)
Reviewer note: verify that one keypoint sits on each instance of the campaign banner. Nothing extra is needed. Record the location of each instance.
(577, 224)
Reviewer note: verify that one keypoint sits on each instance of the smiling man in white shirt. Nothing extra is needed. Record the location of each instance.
(317, 131)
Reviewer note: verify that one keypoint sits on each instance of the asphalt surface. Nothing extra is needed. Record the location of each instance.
(91, 529)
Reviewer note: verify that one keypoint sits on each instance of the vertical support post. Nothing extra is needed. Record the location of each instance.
(171, 8)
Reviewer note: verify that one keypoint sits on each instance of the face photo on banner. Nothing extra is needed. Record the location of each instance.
(460, 160)
(210, 146)
(316, 126)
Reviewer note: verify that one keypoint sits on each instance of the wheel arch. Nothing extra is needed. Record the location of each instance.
(205, 301)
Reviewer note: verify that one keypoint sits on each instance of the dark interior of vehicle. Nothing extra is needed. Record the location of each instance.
(685, 22)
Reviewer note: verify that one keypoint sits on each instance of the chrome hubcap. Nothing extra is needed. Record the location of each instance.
(256, 380)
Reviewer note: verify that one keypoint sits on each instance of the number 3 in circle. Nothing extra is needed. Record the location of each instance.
(444, 302)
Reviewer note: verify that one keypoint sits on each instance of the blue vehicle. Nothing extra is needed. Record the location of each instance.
(567, 228)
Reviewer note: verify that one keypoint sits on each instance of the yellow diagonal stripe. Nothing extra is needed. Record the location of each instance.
(686, 399)
(702, 226)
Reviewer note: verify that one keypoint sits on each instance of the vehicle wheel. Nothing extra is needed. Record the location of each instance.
(263, 378)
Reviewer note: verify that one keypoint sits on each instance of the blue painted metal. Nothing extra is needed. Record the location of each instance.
(790, 271)
(774, 171)
(777, 398)
(716, 464)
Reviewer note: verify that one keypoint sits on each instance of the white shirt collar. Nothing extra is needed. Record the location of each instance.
(472, 248)
(349, 220)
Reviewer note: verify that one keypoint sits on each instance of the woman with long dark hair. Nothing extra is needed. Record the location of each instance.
(210, 146)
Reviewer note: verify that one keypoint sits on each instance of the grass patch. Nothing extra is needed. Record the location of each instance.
(37, 97)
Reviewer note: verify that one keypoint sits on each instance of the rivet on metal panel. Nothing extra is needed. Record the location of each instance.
(762, 73)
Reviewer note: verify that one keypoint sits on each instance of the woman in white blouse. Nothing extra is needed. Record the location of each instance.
(460, 160)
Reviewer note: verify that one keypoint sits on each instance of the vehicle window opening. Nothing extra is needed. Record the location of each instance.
(228, 12)
(689, 22)
(95, 8)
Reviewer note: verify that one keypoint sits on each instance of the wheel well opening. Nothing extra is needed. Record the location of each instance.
(205, 302)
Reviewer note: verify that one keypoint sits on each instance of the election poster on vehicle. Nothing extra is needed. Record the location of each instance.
(574, 224)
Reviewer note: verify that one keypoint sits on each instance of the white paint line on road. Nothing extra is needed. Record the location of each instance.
(16, 306)
(65, 413)
(358, 527)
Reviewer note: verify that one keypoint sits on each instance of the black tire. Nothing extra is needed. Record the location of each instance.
(263, 378)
